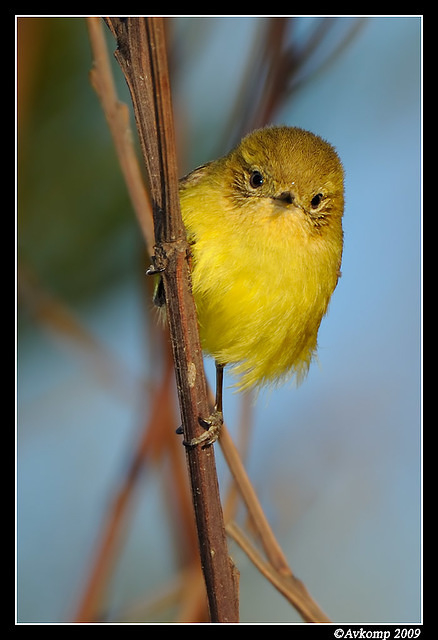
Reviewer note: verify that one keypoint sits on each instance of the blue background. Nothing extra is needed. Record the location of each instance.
(336, 462)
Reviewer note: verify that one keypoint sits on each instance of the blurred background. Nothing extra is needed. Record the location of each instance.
(335, 462)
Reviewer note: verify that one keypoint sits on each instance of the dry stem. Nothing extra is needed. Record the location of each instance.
(142, 55)
(276, 569)
(117, 115)
(291, 587)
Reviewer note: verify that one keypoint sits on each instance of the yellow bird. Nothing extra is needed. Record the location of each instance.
(265, 227)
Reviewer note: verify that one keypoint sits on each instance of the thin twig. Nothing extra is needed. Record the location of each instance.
(245, 423)
(275, 69)
(291, 587)
(142, 56)
(234, 462)
(277, 569)
(278, 564)
(92, 607)
(155, 437)
(117, 116)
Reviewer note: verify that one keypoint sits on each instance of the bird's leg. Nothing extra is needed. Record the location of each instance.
(213, 423)
(219, 387)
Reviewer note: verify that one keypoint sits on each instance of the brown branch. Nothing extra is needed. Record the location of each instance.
(278, 567)
(142, 56)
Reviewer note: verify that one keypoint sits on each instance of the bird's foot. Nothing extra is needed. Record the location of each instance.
(212, 428)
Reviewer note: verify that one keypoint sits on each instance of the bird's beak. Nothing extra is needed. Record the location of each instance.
(287, 197)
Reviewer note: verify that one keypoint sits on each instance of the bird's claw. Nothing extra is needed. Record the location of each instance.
(212, 428)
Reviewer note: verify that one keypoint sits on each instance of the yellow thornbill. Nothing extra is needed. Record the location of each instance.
(265, 228)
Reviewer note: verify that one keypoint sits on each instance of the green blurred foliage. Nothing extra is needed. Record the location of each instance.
(77, 233)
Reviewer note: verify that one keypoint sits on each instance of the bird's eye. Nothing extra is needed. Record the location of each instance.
(316, 201)
(256, 179)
